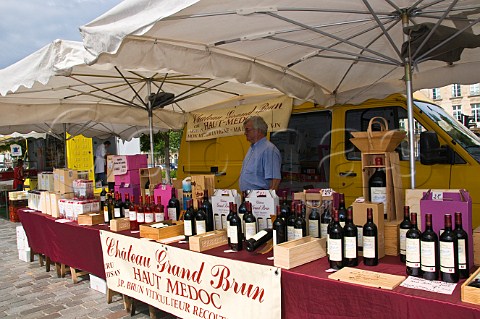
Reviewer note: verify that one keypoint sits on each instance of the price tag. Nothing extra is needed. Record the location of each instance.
(327, 192)
(437, 196)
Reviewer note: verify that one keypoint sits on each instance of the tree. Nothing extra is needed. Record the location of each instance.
(160, 141)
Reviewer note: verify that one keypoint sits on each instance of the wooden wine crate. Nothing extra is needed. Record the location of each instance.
(471, 294)
(175, 229)
(367, 278)
(119, 224)
(208, 240)
(392, 233)
(299, 251)
(90, 219)
(476, 246)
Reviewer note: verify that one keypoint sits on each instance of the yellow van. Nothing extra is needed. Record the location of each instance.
(316, 150)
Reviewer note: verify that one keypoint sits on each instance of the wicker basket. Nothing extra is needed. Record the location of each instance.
(377, 141)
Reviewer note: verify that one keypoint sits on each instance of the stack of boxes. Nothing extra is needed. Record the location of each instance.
(124, 170)
(22, 245)
(16, 200)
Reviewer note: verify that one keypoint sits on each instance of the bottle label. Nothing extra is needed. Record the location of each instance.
(379, 195)
(187, 228)
(224, 222)
(297, 233)
(313, 228)
(274, 237)
(232, 230)
(250, 230)
(323, 230)
(290, 233)
(262, 223)
(149, 218)
(242, 222)
(342, 224)
(102, 198)
(147, 192)
(132, 215)
(427, 256)
(335, 249)
(159, 217)
(259, 235)
(117, 212)
(412, 247)
(269, 223)
(172, 213)
(141, 217)
(350, 250)
(218, 222)
(462, 254)
(105, 215)
(369, 246)
(402, 240)
(360, 236)
(201, 226)
(228, 230)
(447, 255)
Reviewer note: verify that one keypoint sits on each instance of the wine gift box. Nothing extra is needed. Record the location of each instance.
(90, 219)
(209, 240)
(360, 218)
(471, 294)
(119, 224)
(175, 228)
(300, 251)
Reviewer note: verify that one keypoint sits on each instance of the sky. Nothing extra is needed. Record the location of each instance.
(28, 25)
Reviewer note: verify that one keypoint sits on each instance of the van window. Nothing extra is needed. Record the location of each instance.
(305, 149)
(397, 118)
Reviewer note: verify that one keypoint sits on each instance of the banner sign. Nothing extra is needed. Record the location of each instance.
(190, 284)
(229, 121)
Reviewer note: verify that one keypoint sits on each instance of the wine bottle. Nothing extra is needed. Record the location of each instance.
(200, 219)
(448, 253)
(342, 211)
(107, 210)
(463, 252)
(132, 214)
(231, 212)
(217, 220)
(103, 197)
(284, 208)
(350, 241)
(250, 222)
(242, 210)
(325, 219)
(159, 214)
(291, 223)
(173, 206)
(207, 208)
(126, 206)
(429, 250)
(335, 243)
(412, 247)
(117, 208)
(300, 226)
(370, 241)
(235, 230)
(189, 221)
(140, 212)
(259, 239)
(314, 221)
(405, 225)
(377, 185)
(149, 215)
(279, 228)
(147, 187)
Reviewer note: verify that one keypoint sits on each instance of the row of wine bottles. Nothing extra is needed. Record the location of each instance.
(431, 256)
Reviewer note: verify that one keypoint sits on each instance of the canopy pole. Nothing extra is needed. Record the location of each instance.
(409, 93)
(150, 123)
(65, 151)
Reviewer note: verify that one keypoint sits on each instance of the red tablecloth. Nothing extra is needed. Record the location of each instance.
(306, 290)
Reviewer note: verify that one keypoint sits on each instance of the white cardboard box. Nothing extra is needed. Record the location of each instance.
(221, 204)
(98, 284)
(263, 206)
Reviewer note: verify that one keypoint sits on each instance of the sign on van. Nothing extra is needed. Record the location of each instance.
(204, 125)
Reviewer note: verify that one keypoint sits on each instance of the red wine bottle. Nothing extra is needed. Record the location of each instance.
(291, 223)
(149, 214)
(342, 211)
(158, 210)
(259, 239)
(132, 214)
(235, 230)
(140, 212)
(285, 208)
(207, 208)
(314, 221)
(448, 253)
(279, 228)
(242, 210)
(189, 221)
(335, 243)
(117, 208)
(250, 222)
(429, 250)
(173, 206)
(108, 209)
(300, 226)
(405, 225)
(412, 247)
(463, 252)
(377, 185)
(232, 210)
(200, 219)
(350, 241)
(325, 219)
(370, 241)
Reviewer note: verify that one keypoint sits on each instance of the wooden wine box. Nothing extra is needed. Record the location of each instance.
(476, 246)
(299, 251)
(360, 218)
(90, 219)
(208, 240)
(152, 174)
(175, 228)
(119, 224)
(392, 233)
(471, 294)
(200, 183)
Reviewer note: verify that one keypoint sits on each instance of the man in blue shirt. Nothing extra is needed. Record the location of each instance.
(261, 165)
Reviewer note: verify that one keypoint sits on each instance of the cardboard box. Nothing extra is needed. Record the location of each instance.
(90, 219)
(130, 177)
(130, 189)
(55, 202)
(63, 180)
(164, 192)
(154, 175)
(45, 181)
(221, 204)
(264, 203)
(476, 246)
(471, 294)
(200, 183)
(360, 218)
(297, 252)
(175, 229)
(208, 240)
(98, 284)
(119, 224)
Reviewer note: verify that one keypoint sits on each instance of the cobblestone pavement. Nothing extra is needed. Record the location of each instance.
(28, 291)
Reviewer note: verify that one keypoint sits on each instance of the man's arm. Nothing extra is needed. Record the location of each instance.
(274, 183)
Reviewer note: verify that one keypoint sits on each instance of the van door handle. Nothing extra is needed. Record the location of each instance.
(347, 174)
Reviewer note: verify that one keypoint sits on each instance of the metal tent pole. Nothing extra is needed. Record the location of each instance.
(150, 123)
(65, 144)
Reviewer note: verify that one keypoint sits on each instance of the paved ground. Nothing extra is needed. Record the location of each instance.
(28, 291)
